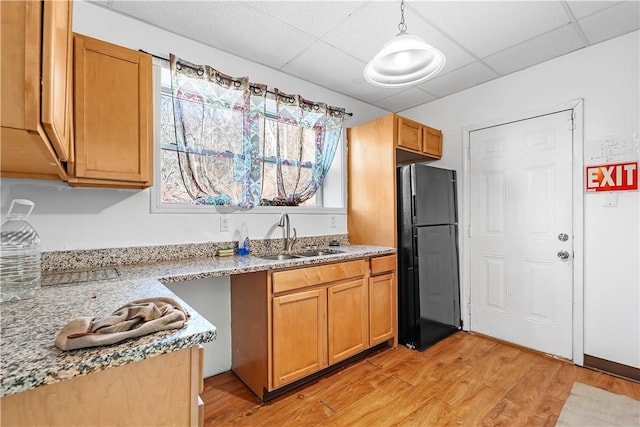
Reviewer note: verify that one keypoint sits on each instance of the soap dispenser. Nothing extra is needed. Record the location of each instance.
(244, 245)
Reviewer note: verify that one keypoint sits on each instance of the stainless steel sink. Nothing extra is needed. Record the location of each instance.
(319, 252)
(280, 257)
(305, 254)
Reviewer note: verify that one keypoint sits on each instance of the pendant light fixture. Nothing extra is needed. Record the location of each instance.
(404, 60)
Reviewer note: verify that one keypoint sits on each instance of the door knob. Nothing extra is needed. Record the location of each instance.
(563, 255)
(563, 237)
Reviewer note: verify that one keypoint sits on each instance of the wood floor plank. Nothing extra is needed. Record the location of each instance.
(373, 409)
(347, 386)
(465, 379)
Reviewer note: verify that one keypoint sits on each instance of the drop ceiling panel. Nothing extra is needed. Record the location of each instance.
(580, 9)
(547, 46)
(363, 33)
(404, 100)
(458, 80)
(455, 56)
(250, 34)
(358, 88)
(327, 66)
(487, 27)
(315, 18)
(611, 22)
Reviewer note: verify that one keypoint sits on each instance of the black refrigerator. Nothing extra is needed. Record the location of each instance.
(428, 273)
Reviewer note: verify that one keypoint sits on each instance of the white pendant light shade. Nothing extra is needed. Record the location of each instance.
(404, 60)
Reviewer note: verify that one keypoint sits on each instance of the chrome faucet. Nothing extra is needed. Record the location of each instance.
(288, 240)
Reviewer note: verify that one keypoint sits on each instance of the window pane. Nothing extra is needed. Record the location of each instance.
(173, 190)
(219, 133)
(167, 128)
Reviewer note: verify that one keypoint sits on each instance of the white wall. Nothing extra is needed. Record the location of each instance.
(607, 77)
(211, 298)
(81, 218)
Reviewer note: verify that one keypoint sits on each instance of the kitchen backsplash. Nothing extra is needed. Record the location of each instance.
(87, 259)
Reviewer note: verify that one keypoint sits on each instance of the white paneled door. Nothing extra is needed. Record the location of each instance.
(521, 232)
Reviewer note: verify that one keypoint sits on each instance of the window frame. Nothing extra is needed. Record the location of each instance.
(174, 208)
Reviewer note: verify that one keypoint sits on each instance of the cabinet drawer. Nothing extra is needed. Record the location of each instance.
(383, 263)
(302, 277)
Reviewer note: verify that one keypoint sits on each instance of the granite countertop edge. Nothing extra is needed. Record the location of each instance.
(29, 359)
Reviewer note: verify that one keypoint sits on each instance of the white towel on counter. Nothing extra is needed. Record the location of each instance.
(137, 318)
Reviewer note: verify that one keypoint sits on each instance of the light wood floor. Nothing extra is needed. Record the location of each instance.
(463, 380)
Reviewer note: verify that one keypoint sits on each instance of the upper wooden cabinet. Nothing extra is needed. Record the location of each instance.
(375, 150)
(36, 53)
(113, 118)
(419, 138)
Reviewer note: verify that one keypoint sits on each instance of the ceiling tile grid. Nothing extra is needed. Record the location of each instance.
(621, 18)
(329, 42)
(536, 50)
(460, 79)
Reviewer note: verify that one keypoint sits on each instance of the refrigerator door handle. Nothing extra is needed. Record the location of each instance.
(413, 208)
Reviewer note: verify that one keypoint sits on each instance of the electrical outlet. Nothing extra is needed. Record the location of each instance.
(224, 223)
(332, 221)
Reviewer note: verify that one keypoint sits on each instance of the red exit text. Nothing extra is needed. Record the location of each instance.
(613, 177)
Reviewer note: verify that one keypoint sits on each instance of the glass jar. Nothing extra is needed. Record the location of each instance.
(19, 255)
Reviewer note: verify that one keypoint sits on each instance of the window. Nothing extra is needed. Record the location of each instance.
(170, 192)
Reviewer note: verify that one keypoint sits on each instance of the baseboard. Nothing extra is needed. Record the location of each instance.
(269, 395)
(613, 368)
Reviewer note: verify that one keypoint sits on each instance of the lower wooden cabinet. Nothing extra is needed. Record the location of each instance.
(383, 297)
(347, 320)
(299, 335)
(160, 390)
(287, 325)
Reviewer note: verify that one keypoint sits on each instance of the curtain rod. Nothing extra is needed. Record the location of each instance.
(167, 59)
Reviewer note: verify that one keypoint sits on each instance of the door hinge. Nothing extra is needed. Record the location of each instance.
(573, 120)
(469, 151)
(469, 230)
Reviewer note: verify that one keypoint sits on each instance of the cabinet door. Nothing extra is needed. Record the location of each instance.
(432, 142)
(382, 308)
(156, 391)
(347, 319)
(57, 44)
(299, 335)
(409, 134)
(113, 113)
(26, 151)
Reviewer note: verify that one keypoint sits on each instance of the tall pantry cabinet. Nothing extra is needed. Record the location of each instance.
(375, 149)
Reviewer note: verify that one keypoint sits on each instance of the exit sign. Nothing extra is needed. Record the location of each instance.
(612, 177)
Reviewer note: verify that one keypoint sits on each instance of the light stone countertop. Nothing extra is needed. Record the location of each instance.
(29, 358)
